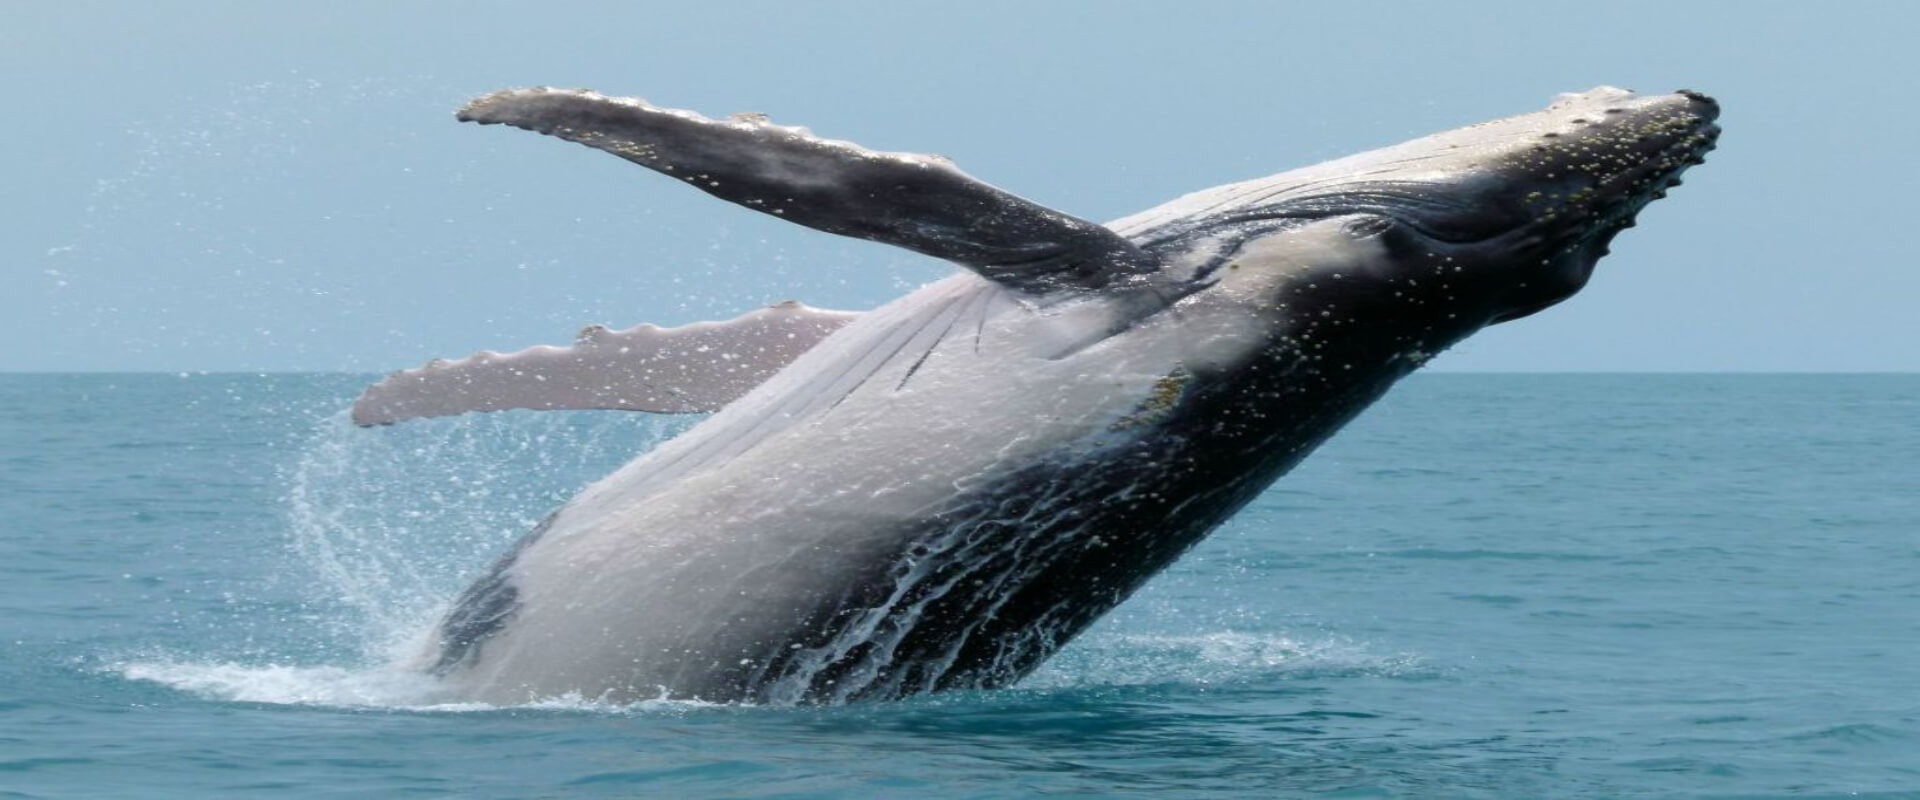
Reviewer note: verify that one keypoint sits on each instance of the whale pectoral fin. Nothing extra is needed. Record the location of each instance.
(922, 203)
(692, 368)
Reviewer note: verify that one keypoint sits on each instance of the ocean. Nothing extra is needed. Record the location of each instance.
(1500, 586)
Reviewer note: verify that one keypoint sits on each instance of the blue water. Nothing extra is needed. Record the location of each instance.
(1489, 586)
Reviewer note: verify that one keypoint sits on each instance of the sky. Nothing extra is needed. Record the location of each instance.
(242, 186)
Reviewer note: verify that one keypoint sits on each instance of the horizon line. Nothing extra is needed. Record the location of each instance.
(188, 373)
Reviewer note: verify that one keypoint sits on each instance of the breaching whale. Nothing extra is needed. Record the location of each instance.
(941, 492)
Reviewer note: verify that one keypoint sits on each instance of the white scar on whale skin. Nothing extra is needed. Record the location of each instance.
(943, 491)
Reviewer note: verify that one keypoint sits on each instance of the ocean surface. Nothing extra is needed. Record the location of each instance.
(1507, 586)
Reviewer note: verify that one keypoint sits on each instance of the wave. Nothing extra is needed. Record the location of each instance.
(1216, 658)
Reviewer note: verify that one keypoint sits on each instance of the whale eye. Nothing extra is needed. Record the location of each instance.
(1368, 226)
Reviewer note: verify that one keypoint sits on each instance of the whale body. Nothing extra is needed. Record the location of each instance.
(941, 492)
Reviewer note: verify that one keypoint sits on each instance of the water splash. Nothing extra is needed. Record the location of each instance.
(286, 684)
(383, 528)
(392, 523)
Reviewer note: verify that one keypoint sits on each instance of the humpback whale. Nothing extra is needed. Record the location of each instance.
(942, 492)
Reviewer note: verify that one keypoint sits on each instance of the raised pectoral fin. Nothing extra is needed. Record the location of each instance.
(922, 203)
(692, 368)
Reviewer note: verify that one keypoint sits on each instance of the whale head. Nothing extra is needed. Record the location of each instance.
(1514, 213)
(1534, 201)
(1526, 205)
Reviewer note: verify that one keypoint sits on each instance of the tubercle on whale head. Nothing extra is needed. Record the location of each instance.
(1596, 176)
(1518, 209)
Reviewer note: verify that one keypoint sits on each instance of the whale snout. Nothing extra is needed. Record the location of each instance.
(1709, 106)
(1597, 160)
(1615, 99)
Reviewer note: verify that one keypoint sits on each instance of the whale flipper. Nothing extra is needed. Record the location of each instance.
(922, 203)
(691, 368)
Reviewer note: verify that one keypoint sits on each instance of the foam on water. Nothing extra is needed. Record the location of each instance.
(286, 684)
(1097, 660)
(343, 687)
(1107, 658)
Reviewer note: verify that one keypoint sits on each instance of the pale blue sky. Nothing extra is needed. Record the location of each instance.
(242, 186)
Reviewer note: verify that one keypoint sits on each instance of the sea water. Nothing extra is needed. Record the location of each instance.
(1488, 586)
